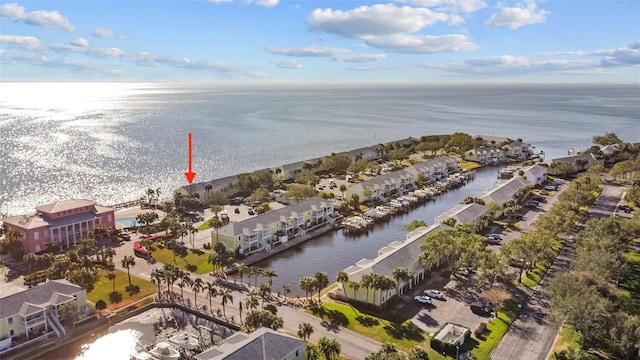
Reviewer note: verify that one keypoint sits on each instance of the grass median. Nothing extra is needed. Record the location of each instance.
(124, 294)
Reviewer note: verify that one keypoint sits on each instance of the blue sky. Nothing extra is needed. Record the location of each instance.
(418, 41)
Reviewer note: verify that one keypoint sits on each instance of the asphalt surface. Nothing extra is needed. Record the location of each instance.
(532, 335)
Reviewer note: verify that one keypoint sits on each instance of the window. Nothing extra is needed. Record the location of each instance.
(109, 217)
(12, 332)
(10, 320)
(36, 235)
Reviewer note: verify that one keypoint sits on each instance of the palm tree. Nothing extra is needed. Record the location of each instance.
(342, 278)
(305, 330)
(386, 284)
(197, 286)
(251, 302)
(212, 292)
(208, 188)
(270, 274)
(355, 286)
(156, 278)
(255, 271)
(31, 259)
(265, 292)
(111, 275)
(286, 290)
(127, 262)
(322, 281)
(343, 188)
(329, 348)
(366, 282)
(226, 296)
(242, 269)
(307, 283)
(401, 274)
(109, 253)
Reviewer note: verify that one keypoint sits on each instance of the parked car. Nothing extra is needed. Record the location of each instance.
(532, 204)
(480, 308)
(517, 217)
(463, 271)
(493, 241)
(550, 188)
(434, 294)
(494, 236)
(422, 299)
(251, 212)
(237, 211)
(626, 208)
(539, 199)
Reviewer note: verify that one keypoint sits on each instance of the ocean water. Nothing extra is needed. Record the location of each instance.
(110, 141)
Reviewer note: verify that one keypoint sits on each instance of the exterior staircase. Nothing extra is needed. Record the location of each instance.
(53, 322)
(264, 244)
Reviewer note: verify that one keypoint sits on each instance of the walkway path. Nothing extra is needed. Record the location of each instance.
(531, 336)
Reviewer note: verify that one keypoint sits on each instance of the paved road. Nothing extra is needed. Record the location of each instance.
(531, 336)
(354, 345)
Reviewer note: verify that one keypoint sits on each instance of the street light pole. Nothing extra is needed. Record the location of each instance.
(457, 350)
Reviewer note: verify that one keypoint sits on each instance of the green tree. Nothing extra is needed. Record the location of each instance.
(128, 262)
(451, 249)
(308, 284)
(111, 276)
(226, 297)
(342, 277)
(413, 225)
(401, 274)
(607, 139)
(343, 188)
(330, 348)
(336, 163)
(461, 142)
(298, 192)
(322, 281)
(305, 330)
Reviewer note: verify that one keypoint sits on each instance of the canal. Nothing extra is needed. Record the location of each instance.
(335, 251)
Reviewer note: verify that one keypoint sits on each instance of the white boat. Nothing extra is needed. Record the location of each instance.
(184, 341)
(164, 351)
(142, 356)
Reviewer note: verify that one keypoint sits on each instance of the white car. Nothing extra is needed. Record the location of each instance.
(463, 271)
(434, 294)
(423, 299)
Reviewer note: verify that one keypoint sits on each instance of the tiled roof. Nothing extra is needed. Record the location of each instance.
(26, 222)
(64, 205)
(464, 213)
(402, 255)
(31, 300)
(262, 344)
(503, 191)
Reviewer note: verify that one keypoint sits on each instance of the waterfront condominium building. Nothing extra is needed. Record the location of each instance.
(61, 223)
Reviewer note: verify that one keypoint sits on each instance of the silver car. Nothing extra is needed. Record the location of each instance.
(433, 293)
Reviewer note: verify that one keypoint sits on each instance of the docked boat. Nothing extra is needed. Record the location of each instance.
(184, 341)
(164, 351)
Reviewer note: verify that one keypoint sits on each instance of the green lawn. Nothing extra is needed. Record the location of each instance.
(469, 165)
(534, 276)
(205, 225)
(103, 288)
(404, 335)
(187, 260)
(496, 328)
(568, 338)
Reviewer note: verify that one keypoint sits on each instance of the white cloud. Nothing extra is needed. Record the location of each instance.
(309, 51)
(375, 20)
(23, 42)
(361, 58)
(506, 65)
(82, 42)
(464, 6)
(90, 51)
(423, 44)
(524, 13)
(622, 56)
(104, 33)
(287, 64)
(15, 12)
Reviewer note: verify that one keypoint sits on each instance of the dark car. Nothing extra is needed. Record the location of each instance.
(237, 211)
(251, 212)
(626, 208)
(480, 308)
(532, 204)
(539, 199)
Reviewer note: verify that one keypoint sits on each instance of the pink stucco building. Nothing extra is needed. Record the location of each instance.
(62, 223)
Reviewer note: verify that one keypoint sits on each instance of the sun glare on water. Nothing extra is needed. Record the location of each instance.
(120, 345)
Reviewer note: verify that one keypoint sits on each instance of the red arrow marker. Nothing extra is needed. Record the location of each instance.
(190, 174)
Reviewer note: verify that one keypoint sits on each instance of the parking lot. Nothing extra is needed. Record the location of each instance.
(461, 291)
